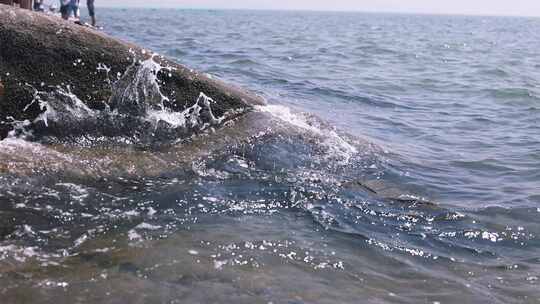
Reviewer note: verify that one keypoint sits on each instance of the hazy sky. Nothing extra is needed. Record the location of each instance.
(482, 7)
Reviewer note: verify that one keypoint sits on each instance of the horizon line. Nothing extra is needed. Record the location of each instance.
(322, 11)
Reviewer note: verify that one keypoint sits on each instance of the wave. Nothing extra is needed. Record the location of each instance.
(512, 94)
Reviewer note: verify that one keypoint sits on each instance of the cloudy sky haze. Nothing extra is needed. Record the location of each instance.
(473, 7)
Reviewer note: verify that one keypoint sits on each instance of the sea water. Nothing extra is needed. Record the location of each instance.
(397, 161)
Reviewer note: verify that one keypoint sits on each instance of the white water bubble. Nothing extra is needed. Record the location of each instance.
(218, 264)
(134, 236)
(151, 211)
(146, 226)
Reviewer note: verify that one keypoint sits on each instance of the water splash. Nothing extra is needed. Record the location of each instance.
(138, 89)
(190, 117)
(336, 144)
(137, 107)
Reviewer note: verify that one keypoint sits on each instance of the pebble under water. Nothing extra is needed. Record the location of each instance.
(415, 177)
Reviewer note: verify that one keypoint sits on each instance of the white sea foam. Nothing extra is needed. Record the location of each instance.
(22, 254)
(134, 236)
(335, 143)
(146, 226)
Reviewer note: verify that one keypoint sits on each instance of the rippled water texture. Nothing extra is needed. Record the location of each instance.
(414, 179)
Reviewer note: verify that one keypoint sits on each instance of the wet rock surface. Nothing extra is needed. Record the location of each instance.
(44, 53)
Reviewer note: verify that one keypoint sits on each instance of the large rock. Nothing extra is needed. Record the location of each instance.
(45, 53)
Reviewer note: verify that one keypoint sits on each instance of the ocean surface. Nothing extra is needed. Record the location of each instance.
(397, 161)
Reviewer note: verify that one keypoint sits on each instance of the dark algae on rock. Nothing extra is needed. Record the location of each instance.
(42, 54)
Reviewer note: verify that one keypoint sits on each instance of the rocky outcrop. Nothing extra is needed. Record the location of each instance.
(45, 53)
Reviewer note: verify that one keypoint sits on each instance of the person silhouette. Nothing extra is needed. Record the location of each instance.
(91, 11)
(38, 6)
(68, 8)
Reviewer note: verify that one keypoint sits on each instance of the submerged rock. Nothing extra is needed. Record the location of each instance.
(44, 57)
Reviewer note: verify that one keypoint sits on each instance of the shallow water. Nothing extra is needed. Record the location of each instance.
(416, 181)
